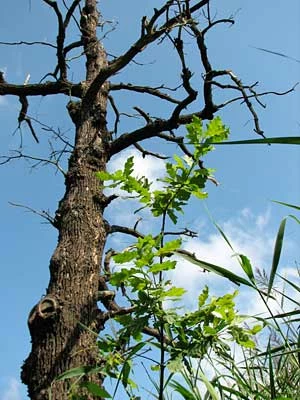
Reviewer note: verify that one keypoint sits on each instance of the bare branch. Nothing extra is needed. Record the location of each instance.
(156, 128)
(145, 115)
(106, 262)
(149, 153)
(186, 76)
(107, 301)
(255, 95)
(116, 111)
(28, 43)
(121, 311)
(72, 46)
(238, 82)
(42, 89)
(133, 232)
(23, 116)
(70, 13)
(186, 232)
(20, 155)
(104, 201)
(74, 18)
(219, 21)
(44, 214)
(123, 229)
(143, 89)
(209, 73)
(115, 310)
(149, 34)
(60, 39)
(57, 134)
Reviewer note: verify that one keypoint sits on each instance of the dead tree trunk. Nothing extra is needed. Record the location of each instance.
(61, 323)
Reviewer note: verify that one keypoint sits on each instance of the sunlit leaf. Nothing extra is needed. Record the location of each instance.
(76, 372)
(103, 175)
(169, 247)
(175, 365)
(174, 292)
(129, 165)
(124, 257)
(125, 373)
(255, 329)
(247, 267)
(217, 130)
(203, 296)
(164, 266)
(96, 390)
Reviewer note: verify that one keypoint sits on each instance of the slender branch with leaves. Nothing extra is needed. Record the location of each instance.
(149, 321)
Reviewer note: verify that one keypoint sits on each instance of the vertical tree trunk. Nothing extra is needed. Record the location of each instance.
(56, 323)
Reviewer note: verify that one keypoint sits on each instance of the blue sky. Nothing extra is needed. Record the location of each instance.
(249, 176)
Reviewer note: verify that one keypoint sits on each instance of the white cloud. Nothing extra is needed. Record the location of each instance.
(149, 166)
(121, 210)
(262, 220)
(246, 212)
(249, 302)
(290, 273)
(249, 235)
(12, 390)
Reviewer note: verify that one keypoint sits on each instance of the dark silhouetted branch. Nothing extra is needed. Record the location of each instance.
(44, 214)
(23, 116)
(149, 153)
(143, 89)
(23, 42)
(150, 33)
(42, 89)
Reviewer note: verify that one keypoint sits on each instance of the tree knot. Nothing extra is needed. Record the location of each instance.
(74, 109)
(46, 308)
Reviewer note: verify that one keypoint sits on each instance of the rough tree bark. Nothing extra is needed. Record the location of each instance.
(59, 341)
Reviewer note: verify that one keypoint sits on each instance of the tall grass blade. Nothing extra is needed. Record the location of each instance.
(287, 204)
(225, 273)
(290, 283)
(298, 343)
(209, 386)
(277, 253)
(180, 389)
(276, 53)
(271, 375)
(295, 218)
(223, 235)
(243, 260)
(276, 350)
(276, 140)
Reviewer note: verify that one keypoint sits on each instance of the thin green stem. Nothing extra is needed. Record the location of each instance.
(162, 347)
